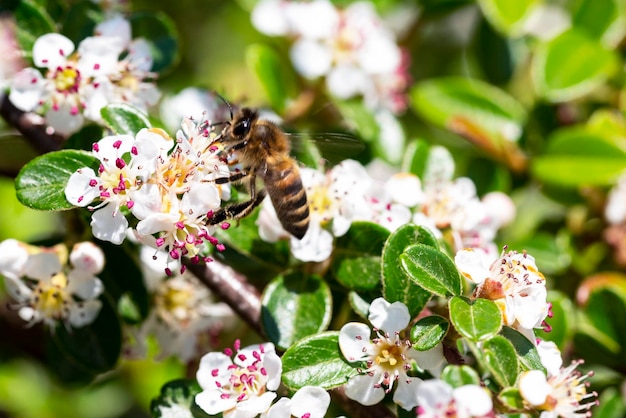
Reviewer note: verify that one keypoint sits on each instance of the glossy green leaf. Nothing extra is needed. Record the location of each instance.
(512, 399)
(576, 156)
(124, 119)
(295, 306)
(571, 65)
(501, 360)
(457, 376)
(357, 260)
(526, 350)
(32, 21)
(273, 73)
(428, 332)
(397, 285)
(160, 32)
(507, 16)
(471, 108)
(605, 20)
(177, 393)
(432, 270)
(475, 320)
(316, 361)
(41, 183)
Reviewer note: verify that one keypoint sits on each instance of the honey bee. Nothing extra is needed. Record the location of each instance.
(263, 148)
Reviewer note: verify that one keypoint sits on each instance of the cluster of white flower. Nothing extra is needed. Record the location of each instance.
(244, 386)
(184, 318)
(167, 185)
(560, 393)
(46, 288)
(106, 68)
(448, 207)
(351, 48)
(513, 282)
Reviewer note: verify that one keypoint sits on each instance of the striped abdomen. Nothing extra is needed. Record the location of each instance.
(284, 186)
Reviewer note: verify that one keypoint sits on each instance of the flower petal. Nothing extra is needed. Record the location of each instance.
(406, 393)
(51, 50)
(311, 400)
(354, 341)
(27, 89)
(474, 399)
(82, 187)
(109, 224)
(84, 313)
(534, 387)
(389, 317)
(362, 389)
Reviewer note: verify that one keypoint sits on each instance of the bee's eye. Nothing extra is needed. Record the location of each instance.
(241, 128)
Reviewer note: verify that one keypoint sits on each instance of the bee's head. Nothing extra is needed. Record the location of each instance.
(241, 124)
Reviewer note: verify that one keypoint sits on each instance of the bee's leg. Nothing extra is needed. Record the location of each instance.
(233, 177)
(237, 210)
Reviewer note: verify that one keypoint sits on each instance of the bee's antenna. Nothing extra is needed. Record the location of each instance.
(230, 107)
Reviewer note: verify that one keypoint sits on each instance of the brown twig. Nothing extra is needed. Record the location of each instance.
(31, 126)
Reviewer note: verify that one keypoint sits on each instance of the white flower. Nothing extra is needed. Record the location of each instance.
(513, 282)
(615, 210)
(350, 47)
(563, 392)
(73, 82)
(307, 402)
(190, 102)
(49, 291)
(12, 60)
(438, 399)
(185, 319)
(387, 356)
(117, 180)
(239, 388)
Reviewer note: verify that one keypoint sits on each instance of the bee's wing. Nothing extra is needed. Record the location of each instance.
(331, 147)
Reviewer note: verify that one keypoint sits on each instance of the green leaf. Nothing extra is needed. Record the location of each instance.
(41, 183)
(507, 16)
(124, 119)
(476, 320)
(432, 270)
(316, 361)
(397, 285)
(526, 350)
(357, 256)
(32, 21)
(457, 376)
(83, 353)
(274, 74)
(512, 399)
(577, 156)
(428, 332)
(501, 360)
(490, 117)
(605, 21)
(160, 31)
(571, 66)
(295, 306)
